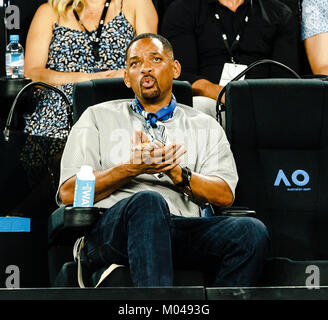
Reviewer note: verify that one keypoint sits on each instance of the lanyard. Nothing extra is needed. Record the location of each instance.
(95, 43)
(236, 41)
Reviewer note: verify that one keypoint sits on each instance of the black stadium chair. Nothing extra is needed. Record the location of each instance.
(278, 130)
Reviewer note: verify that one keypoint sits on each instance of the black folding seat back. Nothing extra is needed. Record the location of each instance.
(278, 131)
(92, 92)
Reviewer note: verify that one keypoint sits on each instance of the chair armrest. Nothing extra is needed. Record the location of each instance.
(68, 223)
(235, 212)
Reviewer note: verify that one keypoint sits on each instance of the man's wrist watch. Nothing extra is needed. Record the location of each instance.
(186, 176)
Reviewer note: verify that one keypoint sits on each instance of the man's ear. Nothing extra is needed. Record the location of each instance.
(126, 79)
(177, 69)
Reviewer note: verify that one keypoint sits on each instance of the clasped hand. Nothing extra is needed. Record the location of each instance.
(154, 157)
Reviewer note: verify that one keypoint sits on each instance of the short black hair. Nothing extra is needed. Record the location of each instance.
(166, 43)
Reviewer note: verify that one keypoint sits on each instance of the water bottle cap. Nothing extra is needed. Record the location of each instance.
(14, 37)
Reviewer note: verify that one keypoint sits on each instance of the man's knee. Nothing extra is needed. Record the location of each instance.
(149, 202)
(149, 198)
(256, 233)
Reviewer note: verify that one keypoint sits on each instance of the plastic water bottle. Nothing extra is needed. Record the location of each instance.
(14, 58)
(84, 187)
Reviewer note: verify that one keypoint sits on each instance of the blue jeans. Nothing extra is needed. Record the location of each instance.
(140, 232)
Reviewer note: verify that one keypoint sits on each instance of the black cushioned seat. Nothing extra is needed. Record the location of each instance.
(278, 130)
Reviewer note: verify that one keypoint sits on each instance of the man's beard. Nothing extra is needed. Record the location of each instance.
(150, 94)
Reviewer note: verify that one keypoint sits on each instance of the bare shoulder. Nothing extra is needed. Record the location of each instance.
(138, 4)
(42, 24)
(46, 12)
(141, 14)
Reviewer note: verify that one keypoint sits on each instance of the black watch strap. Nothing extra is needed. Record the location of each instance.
(186, 176)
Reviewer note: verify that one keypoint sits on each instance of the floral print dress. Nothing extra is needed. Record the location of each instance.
(71, 51)
(314, 18)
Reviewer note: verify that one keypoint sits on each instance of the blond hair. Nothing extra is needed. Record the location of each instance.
(61, 6)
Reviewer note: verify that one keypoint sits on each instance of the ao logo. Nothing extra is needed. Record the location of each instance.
(295, 178)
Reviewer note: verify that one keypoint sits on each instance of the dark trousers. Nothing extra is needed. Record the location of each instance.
(140, 232)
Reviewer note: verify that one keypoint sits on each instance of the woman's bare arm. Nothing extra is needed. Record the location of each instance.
(316, 49)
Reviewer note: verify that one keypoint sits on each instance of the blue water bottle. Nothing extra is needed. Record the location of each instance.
(84, 187)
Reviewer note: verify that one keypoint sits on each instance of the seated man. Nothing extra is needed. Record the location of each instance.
(315, 34)
(215, 40)
(156, 162)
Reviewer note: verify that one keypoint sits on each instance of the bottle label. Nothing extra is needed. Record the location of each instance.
(84, 193)
(17, 57)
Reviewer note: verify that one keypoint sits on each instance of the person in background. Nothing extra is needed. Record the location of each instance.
(215, 40)
(72, 41)
(315, 34)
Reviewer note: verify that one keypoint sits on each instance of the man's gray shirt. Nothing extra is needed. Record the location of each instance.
(102, 139)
